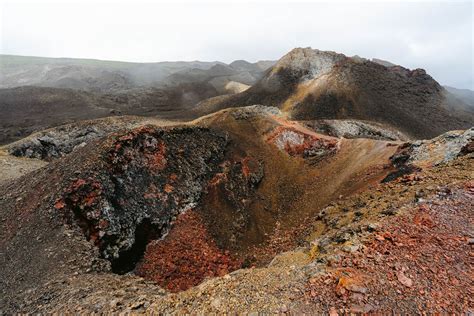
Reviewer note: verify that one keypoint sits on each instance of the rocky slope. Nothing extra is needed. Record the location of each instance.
(250, 185)
(30, 109)
(311, 84)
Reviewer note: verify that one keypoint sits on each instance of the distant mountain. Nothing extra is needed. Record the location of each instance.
(112, 76)
(220, 75)
(311, 84)
(87, 74)
(464, 95)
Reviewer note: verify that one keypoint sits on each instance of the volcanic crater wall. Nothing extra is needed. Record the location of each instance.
(149, 177)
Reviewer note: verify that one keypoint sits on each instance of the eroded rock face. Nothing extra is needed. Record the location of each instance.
(55, 145)
(313, 62)
(354, 129)
(151, 175)
(443, 148)
(412, 157)
(60, 141)
(255, 111)
(297, 143)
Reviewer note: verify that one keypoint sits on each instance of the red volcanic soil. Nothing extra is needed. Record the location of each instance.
(416, 262)
(185, 257)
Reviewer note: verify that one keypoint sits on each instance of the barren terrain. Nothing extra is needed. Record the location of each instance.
(349, 189)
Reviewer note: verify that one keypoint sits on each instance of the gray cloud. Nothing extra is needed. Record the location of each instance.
(434, 35)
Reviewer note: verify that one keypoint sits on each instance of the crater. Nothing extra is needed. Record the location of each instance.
(127, 260)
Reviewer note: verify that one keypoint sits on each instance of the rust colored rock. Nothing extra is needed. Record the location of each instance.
(59, 204)
(186, 256)
(134, 186)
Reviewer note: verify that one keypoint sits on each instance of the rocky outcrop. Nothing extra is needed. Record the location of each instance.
(57, 143)
(148, 177)
(442, 149)
(300, 65)
(354, 129)
(413, 157)
(297, 143)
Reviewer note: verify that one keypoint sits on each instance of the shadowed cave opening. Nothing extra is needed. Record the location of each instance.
(127, 260)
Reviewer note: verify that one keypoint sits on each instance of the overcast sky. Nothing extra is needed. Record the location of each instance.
(434, 35)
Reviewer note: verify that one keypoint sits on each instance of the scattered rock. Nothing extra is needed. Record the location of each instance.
(404, 279)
